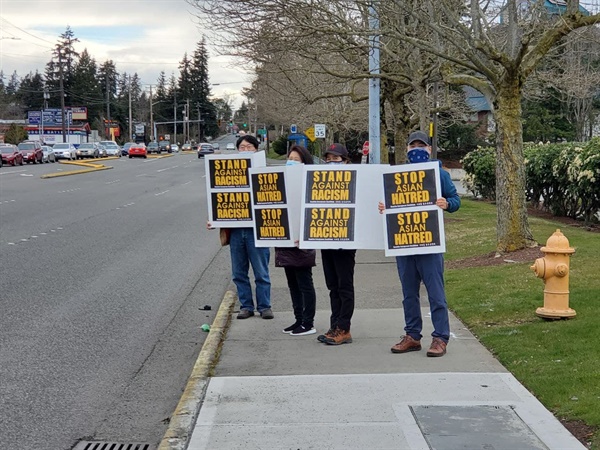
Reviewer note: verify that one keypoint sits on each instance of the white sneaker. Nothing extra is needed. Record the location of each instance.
(303, 331)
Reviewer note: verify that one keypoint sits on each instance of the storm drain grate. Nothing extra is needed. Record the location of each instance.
(104, 445)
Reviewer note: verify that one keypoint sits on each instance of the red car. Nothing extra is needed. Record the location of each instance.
(138, 149)
(11, 154)
(31, 151)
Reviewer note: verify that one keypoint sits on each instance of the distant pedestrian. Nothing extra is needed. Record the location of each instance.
(298, 264)
(245, 253)
(428, 268)
(338, 267)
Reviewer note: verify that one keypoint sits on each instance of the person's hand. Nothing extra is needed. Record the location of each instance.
(209, 226)
(442, 203)
(381, 207)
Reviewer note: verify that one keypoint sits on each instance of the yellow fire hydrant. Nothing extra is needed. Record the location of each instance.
(553, 268)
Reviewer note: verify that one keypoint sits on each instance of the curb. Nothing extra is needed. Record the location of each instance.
(76, 172)
(184, 417)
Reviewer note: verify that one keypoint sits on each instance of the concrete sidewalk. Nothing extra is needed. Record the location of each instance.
(270, 390)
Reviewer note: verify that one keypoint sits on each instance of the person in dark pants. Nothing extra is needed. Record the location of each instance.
(429, 269)
(338, 268)
(298, 264)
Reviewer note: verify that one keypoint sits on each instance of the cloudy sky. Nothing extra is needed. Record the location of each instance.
(143, 36)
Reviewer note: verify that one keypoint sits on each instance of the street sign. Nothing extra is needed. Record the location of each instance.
(293, 128)
(365, 148)
(310, 133)
(320, 130)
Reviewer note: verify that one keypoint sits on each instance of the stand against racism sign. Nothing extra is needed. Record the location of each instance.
(339, 207)
(270, 205)
(228, 188)
(413, 223)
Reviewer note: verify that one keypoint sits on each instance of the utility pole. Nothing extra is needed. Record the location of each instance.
(175, 117)
(62, 96)
(374, 87)
(151, 117)
(130, 118)
(187, 115)
(107, 107)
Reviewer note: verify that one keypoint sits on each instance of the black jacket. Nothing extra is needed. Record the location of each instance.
(294, 257)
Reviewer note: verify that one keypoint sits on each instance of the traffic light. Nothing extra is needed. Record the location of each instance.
(244, 125)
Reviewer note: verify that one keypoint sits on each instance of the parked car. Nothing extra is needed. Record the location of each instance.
(138, 150)
(175, 148)
(65, 150)
(11, 154)
(112, 148)
(164, 146)
(153, 147)
(31, 151)
(205, 149)
(187, 147)
(125, 148)
(48, 153)
(101, 150)
(230, 146)
(88, 150)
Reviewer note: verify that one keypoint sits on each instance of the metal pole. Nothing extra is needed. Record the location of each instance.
(374, 88)
(151, 116)
(62, 96)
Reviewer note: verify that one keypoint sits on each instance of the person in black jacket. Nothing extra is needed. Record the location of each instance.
(298, 264)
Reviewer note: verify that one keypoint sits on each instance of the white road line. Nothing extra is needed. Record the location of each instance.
(161, 193)
(142, 175)
(4, 172)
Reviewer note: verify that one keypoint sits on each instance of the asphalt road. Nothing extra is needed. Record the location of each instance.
(103, 280)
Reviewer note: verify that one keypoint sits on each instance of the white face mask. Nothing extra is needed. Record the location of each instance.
(334, 162)
(292, 162)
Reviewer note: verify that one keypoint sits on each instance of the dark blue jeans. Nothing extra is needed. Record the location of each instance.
(429, 269)
(338, 267)
(302, 291)
(244, 253)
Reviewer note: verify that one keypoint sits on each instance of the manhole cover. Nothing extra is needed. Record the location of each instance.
(476, 427)
(104, 445)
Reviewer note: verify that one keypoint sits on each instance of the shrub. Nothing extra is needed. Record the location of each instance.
(280, 145)
(480, 167)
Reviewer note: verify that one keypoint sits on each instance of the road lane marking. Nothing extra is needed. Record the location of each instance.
(161, 193)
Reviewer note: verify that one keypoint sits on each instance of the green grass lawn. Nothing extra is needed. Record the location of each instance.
(558, 361)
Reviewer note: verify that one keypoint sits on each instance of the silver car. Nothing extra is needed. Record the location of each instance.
(65, 150)
(88, 150)
(49, 155)
(112, 148)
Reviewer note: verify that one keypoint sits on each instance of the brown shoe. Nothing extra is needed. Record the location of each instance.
(438, 348)
(407, 344)
(323, 337)
(338, 337)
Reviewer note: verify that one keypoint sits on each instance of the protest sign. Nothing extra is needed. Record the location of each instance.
(411, 185)
(228, 188)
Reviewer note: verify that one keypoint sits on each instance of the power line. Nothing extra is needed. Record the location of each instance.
(24, 31)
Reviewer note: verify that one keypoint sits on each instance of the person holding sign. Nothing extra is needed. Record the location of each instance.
(298, 264)
(338, 268)
(428, 268)
(243, 253)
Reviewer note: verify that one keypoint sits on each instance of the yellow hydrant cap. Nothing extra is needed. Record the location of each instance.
(557, 243)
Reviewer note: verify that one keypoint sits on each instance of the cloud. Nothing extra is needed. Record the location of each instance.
(141, 36)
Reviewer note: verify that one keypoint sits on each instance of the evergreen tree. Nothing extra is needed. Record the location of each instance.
(64, 57)
(31, 92)
(163, 108)
(86, 89)
(107, 77)
(200, 92)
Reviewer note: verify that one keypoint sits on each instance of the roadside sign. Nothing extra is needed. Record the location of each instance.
(320, 130)
(293, 128)
(365, 148)
(167, 137)
(310, 133)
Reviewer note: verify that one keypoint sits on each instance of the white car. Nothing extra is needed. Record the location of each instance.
(230, 146)
(112, 148)
(49, 155)
(65, 150)
(175, 148)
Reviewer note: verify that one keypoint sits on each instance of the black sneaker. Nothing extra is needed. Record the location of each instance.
(291, 328)
(244, 314)
(302, 330)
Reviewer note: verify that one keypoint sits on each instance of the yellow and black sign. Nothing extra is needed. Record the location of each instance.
(409, 188)
(413, 229)
(330, 186)
(229, 173)
(329, 224)
(268, 188)
(272, 224)
(231, 206)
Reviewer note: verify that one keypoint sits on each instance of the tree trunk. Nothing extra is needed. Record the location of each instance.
(513, 232)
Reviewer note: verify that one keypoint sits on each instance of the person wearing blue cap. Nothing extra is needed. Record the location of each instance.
(412, 269)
